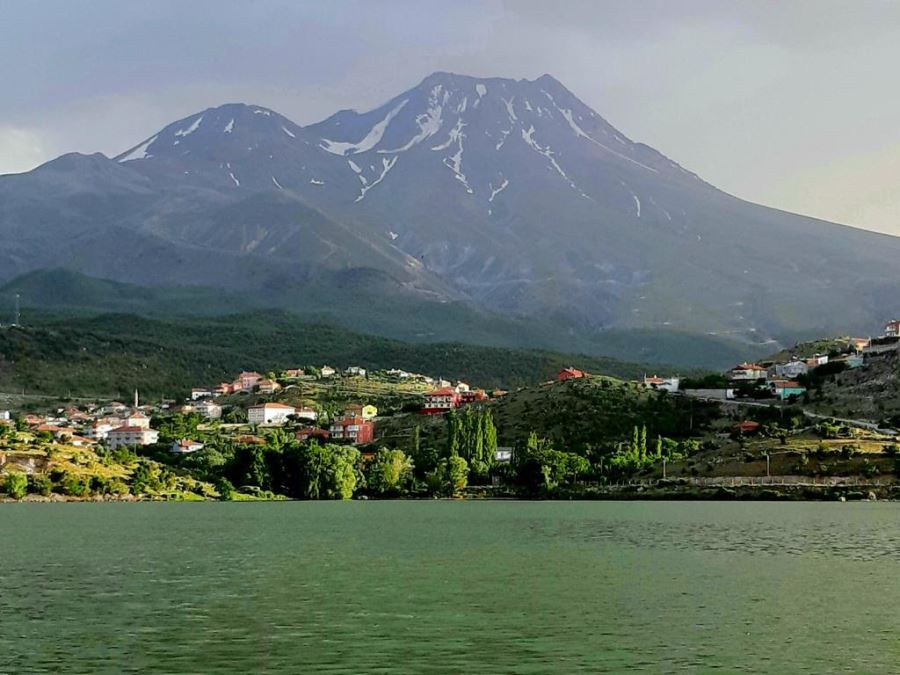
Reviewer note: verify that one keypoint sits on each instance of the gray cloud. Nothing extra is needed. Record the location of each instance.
(786, 103)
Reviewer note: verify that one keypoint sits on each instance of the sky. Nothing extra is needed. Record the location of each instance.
(792, 104)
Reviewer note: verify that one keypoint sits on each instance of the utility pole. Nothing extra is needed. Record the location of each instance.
(18, 316)
(768, 474)
(665, 459)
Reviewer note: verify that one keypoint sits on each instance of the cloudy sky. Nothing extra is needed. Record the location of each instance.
(793, 104)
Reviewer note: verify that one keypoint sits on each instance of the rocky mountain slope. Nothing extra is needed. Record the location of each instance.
(512, 195)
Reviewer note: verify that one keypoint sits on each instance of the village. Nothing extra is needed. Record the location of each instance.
(290, 399)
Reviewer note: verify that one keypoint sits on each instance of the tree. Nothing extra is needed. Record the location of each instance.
(388, 471)
(490, 439)
(16, 485)
(225, 489)
(452, 475)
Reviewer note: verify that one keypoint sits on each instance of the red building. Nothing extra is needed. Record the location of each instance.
(440, 401)
(569, 374)
(353, 429)
(320, 435)
(475, 396)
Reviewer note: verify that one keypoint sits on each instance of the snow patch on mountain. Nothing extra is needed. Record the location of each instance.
(480, 89)
(567, 114)
(496, 191)
(229, 127)
(454, 162)
(528, 137)
(140, 152)
(510, 110)
(237, 183)
(370, 140)
(277, 184)
(288, 132)
(191, 129)
(386, 165)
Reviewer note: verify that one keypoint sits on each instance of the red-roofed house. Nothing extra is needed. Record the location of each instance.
(248, 380)
(569, 374)
(440, 401)
(353, 429)
(748, 372)
(746, 427)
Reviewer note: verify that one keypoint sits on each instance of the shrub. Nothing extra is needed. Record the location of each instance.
(75, 486)
(40, 484)
(16, 485)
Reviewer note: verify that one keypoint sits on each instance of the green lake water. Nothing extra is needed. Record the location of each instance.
(450, 587)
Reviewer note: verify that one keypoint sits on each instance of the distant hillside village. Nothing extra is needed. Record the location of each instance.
(289, 399)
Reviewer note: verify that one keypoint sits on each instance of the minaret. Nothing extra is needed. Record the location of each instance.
(135, 399)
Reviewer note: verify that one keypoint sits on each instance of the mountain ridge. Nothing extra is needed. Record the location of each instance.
(511, 195)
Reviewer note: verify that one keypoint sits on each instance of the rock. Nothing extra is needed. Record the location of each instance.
(872, 497)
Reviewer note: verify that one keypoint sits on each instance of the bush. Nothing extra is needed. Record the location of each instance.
(39, 484)
(16, 485)
(74, 486)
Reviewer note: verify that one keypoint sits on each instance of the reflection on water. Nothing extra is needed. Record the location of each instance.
(449, 587)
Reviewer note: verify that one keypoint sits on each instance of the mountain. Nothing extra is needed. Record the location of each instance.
(510, 197)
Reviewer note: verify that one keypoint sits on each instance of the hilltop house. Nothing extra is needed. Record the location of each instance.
(892, 328)
(355, 371)
(199, 392)
(307, 433)
(327, 371)
(307, 414)
(860, 343)
(185, 446)
(353, 429)
(569, 374)
(440, 401)
(131, 435)
(270, 413)
(747, 372)
(669, 384)
(816, 361)
(4, 415)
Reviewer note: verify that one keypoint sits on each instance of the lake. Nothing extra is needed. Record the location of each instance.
(438, 587)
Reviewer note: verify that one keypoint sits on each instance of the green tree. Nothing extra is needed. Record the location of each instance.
(453, 475)
(16, 485)
(388, 471)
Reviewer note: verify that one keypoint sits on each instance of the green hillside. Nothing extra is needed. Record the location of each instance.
(116, 353)
(367, 301)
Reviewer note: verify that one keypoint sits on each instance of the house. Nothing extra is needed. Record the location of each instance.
(746, 427)
(79, 441)
(314, 433)
(367, 411)
(308, 414)
(185, 446)
(669, 384)
(4, 415)
(98, 430)
(247, 381)
(461, 387)
(326, 371)
(355, 371)
(860, 343)
(791, 369)
(440, 401)
(294, 373)
(353, 429)
(569, 374)
(224, 389)
(892, 328)
(785, 389)
(268, 386)
(270, 413)
(209, 409)
(197, 393)
(472, 396)
(747, 372)
(128, 436)
(137, 419)
(503, 455)
(816, 361)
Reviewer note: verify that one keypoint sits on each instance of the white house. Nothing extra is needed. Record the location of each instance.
(185, 446)
(355, 371)
(307, 414)
(4, 415)
(137, 419)
(669, 384)
(326, 371)
(126, 436)
(270, 413)
(748, 372)
(791, 369)
(98, 430)
(209, 410)
(197, 394)
(892, 328)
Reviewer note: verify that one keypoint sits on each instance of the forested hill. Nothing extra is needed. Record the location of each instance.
(116, 353)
